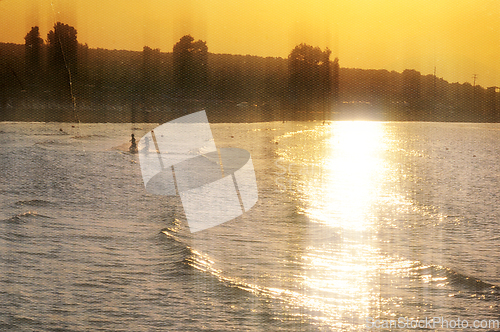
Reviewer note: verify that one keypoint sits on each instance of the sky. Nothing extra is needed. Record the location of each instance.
(457, 38)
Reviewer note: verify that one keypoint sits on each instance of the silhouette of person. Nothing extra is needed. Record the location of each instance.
(133, 145)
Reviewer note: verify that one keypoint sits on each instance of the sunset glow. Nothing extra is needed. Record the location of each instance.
(458, 38)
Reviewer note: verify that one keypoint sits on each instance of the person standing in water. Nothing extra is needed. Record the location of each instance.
(133, 145)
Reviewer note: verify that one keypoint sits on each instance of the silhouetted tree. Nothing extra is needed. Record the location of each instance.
(33, 53)
(63, 48)
(190, 61)
(310, 80)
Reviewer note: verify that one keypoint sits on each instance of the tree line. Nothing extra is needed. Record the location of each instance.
(41, 79)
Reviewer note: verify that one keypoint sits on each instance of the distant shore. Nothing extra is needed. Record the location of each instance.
(125, 86)
(220, 112)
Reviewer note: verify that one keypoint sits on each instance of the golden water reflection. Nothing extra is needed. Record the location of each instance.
(350, 225)
(353, 166)
(344, 264)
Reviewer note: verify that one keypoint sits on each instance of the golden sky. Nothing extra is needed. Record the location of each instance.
(458, 37)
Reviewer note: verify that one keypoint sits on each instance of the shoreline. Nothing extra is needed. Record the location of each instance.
(222, 116)
(229, 111)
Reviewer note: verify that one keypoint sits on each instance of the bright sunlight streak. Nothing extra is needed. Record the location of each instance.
(352, 170)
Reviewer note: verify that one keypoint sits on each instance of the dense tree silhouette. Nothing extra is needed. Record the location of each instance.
(33, 53)
(310, 79)
(63, 48)
(190, 61)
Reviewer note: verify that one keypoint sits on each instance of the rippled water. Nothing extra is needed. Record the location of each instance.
(354, 220)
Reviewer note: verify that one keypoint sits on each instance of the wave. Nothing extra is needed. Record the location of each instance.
(35, 202)
(471, 283)
(455, 279)
(312, 308)
(178, 253)
(317, 309)
(25, 217)
(461, 285)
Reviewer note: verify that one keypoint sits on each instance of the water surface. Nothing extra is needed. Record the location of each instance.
(354, 220)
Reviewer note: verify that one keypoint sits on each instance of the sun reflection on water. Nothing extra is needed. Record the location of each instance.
(343, 266)
(353, 168)
(330, 253)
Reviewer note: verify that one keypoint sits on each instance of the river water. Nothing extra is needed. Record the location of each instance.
(355, 222)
